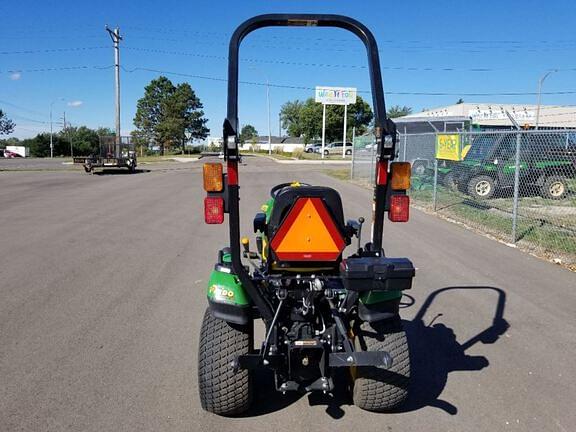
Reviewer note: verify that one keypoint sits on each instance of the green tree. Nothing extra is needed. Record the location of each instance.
(398, 111)
(85, 141)
(248, 133)
(40, 145)
(9, 142)
(290, 116)
(167, 113)
(304, 119)
(6, 125)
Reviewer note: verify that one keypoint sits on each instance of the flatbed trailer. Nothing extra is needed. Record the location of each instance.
(112, 155)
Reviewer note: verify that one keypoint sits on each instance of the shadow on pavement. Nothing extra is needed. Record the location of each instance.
(120, 172)
(434, 353)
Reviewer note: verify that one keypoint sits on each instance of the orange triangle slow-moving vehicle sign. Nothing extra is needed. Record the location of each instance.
(308, 233)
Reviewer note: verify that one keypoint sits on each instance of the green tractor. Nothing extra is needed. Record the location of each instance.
(323, 312)
(547, 163)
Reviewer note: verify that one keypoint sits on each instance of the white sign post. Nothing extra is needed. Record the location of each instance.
(335, 96)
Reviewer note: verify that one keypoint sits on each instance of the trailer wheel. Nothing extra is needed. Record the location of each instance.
(223, 391)
(88, 168)
(376, 388)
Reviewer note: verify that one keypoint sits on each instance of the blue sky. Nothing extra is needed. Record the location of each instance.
(54, 50)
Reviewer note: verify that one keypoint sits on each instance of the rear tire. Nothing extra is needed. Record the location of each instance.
(554, 187)
(481, 187)
(348, 152)
(222, 391)
(376, 388)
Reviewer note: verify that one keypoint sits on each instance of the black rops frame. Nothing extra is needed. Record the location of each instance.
(382, 127)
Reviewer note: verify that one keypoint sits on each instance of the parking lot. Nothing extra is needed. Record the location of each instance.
(102, 291)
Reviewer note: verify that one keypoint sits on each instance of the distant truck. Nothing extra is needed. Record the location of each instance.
(16, 151)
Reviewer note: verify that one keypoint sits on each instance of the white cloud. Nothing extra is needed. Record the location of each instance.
(75, 103)
(15, 76)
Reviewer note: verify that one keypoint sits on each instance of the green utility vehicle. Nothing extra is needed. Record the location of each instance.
(324, 310)
(547, 162)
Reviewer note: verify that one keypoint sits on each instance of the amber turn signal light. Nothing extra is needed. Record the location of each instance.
(213, 178)
(400, 175)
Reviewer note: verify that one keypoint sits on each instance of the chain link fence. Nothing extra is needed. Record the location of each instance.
(518, 186)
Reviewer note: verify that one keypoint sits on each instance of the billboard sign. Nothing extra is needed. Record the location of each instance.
(448, 147)
(336, 95)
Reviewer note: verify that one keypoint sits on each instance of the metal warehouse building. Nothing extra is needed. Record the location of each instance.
(488, 116)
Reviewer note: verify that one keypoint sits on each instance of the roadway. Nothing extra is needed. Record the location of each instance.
(102, 291)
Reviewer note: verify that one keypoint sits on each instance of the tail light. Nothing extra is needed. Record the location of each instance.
(400, 175)
(214, 210)
(382, 172)
(399, 208)
(213, 177)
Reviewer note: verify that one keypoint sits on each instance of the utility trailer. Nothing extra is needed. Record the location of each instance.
(113, 154)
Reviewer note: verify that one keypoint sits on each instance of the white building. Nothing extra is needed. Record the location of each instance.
(487, 115)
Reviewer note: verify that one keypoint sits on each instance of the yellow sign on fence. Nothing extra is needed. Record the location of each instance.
(448, 147)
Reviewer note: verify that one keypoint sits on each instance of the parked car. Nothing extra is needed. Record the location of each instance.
(335, 148)
(313, 148)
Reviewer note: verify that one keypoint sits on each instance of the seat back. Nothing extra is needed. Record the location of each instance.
(306, 228)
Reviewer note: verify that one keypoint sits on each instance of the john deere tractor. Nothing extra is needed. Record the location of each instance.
(322, 311)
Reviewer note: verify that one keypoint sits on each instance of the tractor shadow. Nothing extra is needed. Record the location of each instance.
(434, 354)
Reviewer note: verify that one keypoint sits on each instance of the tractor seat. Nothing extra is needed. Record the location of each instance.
(307, 226)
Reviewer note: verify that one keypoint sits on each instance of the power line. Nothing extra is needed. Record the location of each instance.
(296, 87)
(264, 61)
(20, 107)
(52, 50)
(306, 64)
(53, 69)
(29, 119)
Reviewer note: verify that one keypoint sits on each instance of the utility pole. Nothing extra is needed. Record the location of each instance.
(116, 38)
(51, 140)
(269, 128)
(69, 136)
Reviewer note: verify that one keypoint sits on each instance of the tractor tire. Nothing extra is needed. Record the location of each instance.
(555, 187)
(223, 391)
(481, 187)
(375, 388)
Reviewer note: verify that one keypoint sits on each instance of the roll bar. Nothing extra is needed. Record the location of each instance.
(382, 127)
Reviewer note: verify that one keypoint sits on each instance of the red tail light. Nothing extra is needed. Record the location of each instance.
(214, 210)
(399, 208)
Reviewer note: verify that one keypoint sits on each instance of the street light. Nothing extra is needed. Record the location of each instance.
(51, 141)
(268, 104)
(540, 82)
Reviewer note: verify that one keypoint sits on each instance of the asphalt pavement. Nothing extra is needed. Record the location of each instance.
(102, 291)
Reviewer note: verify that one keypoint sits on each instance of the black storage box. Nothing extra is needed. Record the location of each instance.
(377, 274)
